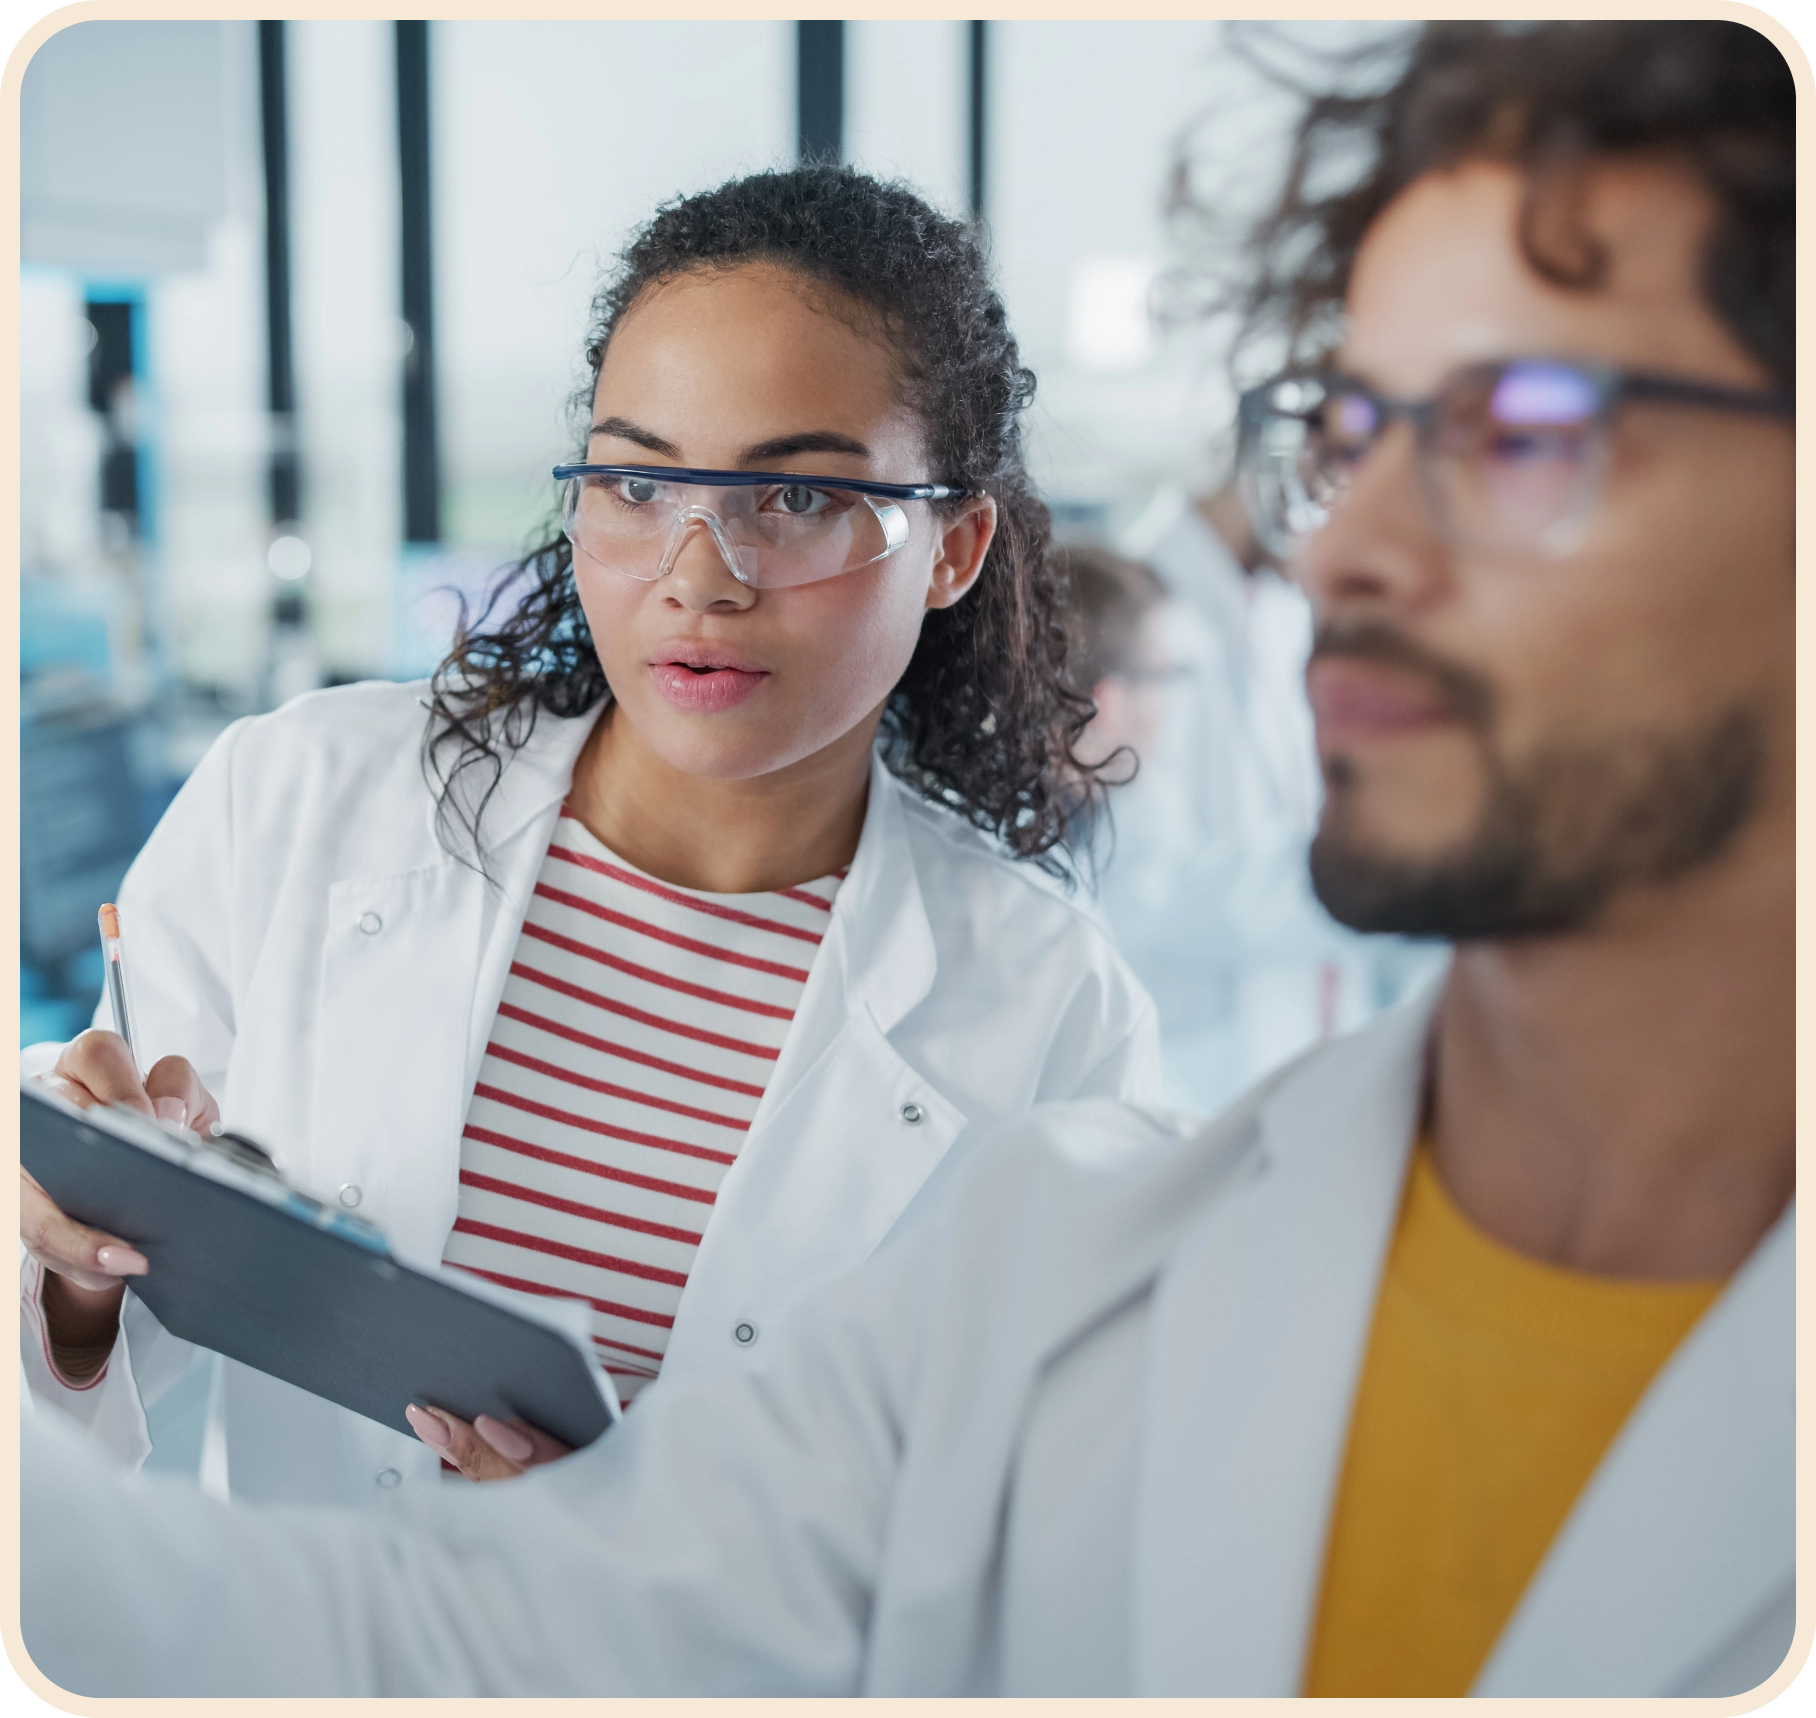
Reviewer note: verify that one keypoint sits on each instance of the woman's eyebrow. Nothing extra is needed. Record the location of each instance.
(625, 430)
(810, 441)
(759, 454)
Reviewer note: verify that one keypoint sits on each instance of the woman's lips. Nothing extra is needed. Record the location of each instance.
(1354, 699)
(705, 687)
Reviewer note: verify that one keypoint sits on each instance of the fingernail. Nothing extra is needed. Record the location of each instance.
(122, 1262)
(172, 1110)
(508, 1441)
(428, 1427)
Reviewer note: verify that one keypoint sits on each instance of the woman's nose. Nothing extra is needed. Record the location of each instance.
(699, 576)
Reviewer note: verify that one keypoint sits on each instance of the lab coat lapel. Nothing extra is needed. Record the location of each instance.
(1686, 1532)
(516, 828)
(1260, 1323)
(386, 1134)
(885, 943)
(878, 955)
(829, 1164)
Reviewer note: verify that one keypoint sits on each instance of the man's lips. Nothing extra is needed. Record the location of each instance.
(1353, 698)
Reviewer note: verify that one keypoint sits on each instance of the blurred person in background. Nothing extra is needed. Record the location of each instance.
(1202, 879)
(1459, 1355)
(662, 962)
(1120, 655)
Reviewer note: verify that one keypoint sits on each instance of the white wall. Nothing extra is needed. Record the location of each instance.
(551, 142)
(347, 329)
(907, 106)
(140, 168)
(121, 144)
(1085, 121)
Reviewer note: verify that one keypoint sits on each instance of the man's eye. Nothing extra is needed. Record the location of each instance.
(1522, 446)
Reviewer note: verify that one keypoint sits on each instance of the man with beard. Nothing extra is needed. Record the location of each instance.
(1458, 1356)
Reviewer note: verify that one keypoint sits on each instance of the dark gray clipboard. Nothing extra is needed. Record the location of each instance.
(257, 1282)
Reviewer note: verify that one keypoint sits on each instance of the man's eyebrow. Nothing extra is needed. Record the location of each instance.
(625, 430)
(809, 441)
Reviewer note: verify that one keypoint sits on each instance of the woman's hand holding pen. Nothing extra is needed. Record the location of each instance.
(487, 1449)
(84, 1267)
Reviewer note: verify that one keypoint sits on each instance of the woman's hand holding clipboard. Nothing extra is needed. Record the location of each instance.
(85, 1268)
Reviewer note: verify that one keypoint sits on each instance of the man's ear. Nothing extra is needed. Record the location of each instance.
(964, 541)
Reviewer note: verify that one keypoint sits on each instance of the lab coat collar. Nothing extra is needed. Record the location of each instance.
(1260, 1327)
(883, 938)
(879, 951)
(1260, 1322)
(536, 776)
(881, 933)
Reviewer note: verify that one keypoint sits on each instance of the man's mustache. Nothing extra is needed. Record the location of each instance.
(1467, 695)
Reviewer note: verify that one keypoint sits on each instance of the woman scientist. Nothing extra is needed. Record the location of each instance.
(663, 962)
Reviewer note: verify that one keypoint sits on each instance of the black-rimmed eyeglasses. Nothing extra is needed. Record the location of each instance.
(1511, 454)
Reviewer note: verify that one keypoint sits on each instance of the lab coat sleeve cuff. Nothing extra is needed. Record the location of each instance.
(107, 1404)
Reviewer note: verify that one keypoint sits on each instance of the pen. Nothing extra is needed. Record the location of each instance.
(112, 953)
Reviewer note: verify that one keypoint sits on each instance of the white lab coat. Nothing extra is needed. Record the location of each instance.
(295, 928)
(1079, 1435)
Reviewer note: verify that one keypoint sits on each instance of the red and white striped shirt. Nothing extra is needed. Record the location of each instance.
(637, 1031)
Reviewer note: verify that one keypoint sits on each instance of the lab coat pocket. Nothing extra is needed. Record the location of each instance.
(399, 963)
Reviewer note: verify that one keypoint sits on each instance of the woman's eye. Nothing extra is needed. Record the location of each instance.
(800, 502)
(639, 490)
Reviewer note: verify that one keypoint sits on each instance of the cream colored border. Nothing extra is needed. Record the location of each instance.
(28, 44)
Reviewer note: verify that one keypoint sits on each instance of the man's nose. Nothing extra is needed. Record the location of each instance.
(1380, 547)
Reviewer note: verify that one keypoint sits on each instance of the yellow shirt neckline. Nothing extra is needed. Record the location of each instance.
(1468, 1276)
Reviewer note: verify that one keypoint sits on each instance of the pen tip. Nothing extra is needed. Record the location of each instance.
(110, 920)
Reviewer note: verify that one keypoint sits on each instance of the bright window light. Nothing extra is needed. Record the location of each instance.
(1109, 325)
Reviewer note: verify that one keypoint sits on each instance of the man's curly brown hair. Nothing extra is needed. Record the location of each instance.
(1550, 99)
(985, 717)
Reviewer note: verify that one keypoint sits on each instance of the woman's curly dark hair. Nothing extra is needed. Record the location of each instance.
(1548, 98)
(985, 717)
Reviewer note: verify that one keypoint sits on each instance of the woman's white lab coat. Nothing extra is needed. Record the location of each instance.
(296, 929)
(1076, 1430)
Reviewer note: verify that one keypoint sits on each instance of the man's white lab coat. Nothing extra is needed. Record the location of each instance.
(296, 929)
(1075, 1431)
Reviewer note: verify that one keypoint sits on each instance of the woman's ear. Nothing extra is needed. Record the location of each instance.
(964, 541)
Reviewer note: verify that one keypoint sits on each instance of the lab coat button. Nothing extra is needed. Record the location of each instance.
(389, 1477)
(744, 1333)
(912, 1114)
(350, 1194)
(371, 924)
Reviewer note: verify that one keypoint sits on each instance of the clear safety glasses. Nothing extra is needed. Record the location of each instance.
(1511, 455)
(773, 529)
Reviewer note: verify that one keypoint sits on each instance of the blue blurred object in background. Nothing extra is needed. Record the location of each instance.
(93, 780)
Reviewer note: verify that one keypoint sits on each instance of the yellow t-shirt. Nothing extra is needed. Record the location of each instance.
(1492, 1386)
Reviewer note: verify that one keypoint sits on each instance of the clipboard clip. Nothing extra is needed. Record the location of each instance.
(243, 1162)
(247, 1153)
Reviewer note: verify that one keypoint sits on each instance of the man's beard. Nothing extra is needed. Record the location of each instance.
(1559, 836)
